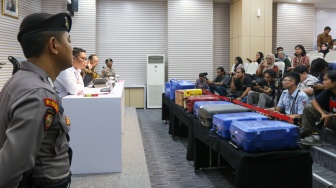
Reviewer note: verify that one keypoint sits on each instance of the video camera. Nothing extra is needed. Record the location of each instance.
(203, 74)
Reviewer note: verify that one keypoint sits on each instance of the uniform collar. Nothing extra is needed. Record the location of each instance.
(26, 65)
(295, 92)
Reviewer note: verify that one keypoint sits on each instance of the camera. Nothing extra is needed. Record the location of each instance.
(260, 82)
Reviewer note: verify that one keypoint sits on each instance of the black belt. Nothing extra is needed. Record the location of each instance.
(47, 183)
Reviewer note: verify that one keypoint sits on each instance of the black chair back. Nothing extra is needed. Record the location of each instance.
(16, 64)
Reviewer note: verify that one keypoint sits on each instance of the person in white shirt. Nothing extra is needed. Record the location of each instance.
(69, 81)
(307, 81)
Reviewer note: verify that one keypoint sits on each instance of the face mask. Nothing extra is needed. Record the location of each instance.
(334, 46)
(324, 48)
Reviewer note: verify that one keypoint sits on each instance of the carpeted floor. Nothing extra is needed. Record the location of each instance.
(166, 158)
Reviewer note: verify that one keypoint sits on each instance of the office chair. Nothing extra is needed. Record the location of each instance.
(16, 64)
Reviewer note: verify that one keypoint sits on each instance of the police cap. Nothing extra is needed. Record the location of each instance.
(40, 22)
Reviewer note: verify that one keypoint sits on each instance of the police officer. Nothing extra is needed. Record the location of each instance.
(33, 142)
(292, 100)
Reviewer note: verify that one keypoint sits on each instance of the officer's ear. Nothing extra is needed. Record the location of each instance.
(53, 45)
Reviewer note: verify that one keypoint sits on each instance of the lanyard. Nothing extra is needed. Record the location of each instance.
(293, 103)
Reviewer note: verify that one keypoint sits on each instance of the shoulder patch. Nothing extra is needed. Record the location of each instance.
(67, 120)
(52, 103)
(48, 119)
(304, 103)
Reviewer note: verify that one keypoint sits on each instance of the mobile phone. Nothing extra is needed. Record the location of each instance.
(249, 60)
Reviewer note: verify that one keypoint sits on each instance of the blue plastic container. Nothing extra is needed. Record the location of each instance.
(167, 89)
(173, 84)
(253, 136)
(199, 104)
(222, 122)
(185, 85)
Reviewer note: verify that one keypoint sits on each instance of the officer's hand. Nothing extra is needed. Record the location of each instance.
(238, 98)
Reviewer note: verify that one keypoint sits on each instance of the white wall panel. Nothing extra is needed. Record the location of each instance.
(221, 37)
(8, 37)
(274, 27)
(129, 30)
(190, 39)
(295, 25)
(83, 31)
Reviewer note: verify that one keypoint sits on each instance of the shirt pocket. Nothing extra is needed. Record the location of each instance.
(62, 144)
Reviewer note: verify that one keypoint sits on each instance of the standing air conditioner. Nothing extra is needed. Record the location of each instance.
(155, 80)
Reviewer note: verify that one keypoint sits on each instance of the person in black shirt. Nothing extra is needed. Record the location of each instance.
(318, 68)
(321, 111)
(264, 94)
(241, 84)
(220, 83)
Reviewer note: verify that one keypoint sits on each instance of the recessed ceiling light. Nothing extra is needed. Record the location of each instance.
(299, 0)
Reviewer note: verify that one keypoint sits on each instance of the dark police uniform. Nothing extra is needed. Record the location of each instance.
(33, 128)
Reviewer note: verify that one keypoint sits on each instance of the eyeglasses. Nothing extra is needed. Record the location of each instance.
(83, 58)
(268, 58)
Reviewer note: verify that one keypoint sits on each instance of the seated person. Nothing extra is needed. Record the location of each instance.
(90, 73)
(259, 58)
(241, 85)
(69, 81)
(318, 68)
(201, 82)
(279, 49)
(264, 94)
(238, 64)
(324, 49)
(292, 100)
(307, 81)
(267, 64)
(109, 71)
(220, 83)
(320, 110)
(283, 57)
(301, 58)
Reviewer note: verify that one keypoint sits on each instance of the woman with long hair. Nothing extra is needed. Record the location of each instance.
(300, 58)
(238, 64)
(259, 57)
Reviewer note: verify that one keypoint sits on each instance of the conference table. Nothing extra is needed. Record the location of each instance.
(96, 124)
(287, 168)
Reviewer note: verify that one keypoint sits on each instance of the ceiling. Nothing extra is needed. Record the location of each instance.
(318, 3)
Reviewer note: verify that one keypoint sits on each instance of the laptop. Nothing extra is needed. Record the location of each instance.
(99, 82)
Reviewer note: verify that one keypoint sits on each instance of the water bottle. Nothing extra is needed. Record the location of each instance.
(117, 78)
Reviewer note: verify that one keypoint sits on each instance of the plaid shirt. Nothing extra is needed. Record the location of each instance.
(201, 85)
(303, 61)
